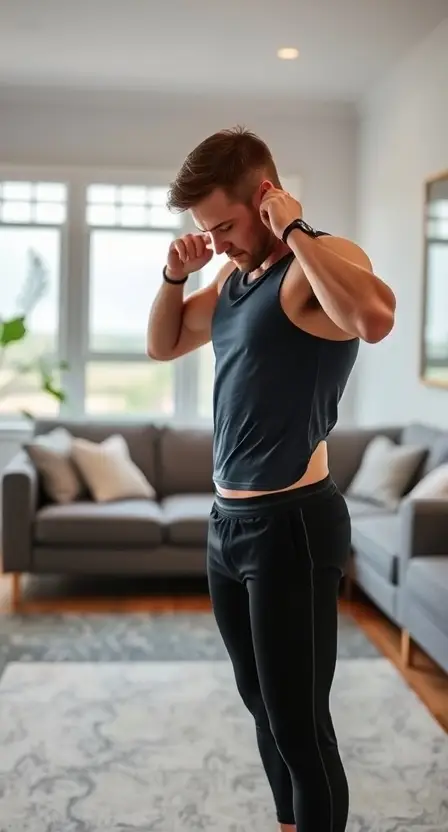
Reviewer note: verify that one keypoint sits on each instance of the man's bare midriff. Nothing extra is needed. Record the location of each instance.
(316, 471)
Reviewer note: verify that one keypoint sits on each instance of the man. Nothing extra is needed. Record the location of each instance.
(286, 316)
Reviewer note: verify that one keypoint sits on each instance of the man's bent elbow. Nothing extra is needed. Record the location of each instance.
(377, 324)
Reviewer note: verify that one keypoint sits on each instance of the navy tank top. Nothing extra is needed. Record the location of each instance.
(276, 389)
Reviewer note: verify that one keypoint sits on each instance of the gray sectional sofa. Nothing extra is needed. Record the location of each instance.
(399, 557)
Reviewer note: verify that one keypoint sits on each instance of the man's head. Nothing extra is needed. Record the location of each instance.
(221, 183)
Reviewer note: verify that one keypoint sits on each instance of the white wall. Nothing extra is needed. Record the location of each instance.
(315, 142)
(403, 140)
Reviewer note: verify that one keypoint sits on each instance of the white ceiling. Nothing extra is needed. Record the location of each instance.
(205, 46)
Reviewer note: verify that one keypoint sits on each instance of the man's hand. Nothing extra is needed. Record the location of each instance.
(188, 254)
(278, 209)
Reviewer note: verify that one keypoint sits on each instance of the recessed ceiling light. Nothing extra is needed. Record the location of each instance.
(288, 53)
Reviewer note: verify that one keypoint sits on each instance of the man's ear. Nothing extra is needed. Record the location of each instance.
(265, 186)
(262, 189)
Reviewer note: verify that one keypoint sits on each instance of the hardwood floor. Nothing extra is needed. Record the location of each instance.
(103, 595)
(428, 680)
(52, 595)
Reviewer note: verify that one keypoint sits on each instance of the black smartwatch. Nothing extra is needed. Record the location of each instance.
(302, 226)
(171, 280)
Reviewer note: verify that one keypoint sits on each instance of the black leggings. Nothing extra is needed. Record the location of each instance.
(274, 567)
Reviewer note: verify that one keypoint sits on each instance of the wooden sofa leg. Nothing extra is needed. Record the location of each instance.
(16, 594)
(405, 648)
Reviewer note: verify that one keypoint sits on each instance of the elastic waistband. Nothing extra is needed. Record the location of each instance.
(267, 503)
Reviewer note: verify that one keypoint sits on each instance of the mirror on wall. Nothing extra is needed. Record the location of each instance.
(434, 354)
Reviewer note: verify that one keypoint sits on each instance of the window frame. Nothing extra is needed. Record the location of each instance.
(73, 328)
(17, 173)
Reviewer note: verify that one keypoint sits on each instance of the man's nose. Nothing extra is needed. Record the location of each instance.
(220, 246)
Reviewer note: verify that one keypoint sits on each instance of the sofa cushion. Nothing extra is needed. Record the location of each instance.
(185, 517)
(141, 439)
(364, 508)
(186, 461)
(129, 522)
(427, 579)
(377, 539)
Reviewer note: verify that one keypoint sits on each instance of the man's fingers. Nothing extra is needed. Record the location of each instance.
(192, 246)
(199, 244)
(181, 250)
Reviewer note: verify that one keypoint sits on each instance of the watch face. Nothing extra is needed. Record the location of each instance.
(299, 223)
(307, 228)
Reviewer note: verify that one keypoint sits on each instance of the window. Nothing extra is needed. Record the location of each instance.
(435, 339)
(82, 256)
(36, 203)
(130, 205)
(437, 220)
(125, 388)
(31, 219)
(130, 232)
(125, 269)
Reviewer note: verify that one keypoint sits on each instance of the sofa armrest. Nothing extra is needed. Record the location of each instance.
(20, 497)
(346, 448)
(424, 528)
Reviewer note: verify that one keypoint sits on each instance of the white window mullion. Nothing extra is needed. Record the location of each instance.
(186, 368)
(74, 299)
(63, 309)
(186, 388)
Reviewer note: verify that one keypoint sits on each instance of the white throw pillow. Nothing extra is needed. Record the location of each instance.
(434, 486)
(109, 471)
(386, 472)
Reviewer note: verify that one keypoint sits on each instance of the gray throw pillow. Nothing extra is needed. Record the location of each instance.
(386, 472)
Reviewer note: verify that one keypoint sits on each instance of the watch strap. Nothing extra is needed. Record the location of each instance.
(302, 226)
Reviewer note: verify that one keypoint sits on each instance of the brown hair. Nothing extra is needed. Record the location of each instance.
(231, 159)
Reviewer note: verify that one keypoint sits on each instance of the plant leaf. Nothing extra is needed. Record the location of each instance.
(12, 330)
(54, 391)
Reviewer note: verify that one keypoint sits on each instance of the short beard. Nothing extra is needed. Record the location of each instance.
(265, 250)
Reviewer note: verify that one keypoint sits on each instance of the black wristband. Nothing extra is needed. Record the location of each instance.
(171, 280)
(302, 226)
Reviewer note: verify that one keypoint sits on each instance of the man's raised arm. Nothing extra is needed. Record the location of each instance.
(176, 325)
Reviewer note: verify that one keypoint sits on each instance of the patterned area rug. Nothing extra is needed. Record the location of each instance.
(168, 746)
(143, 637)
